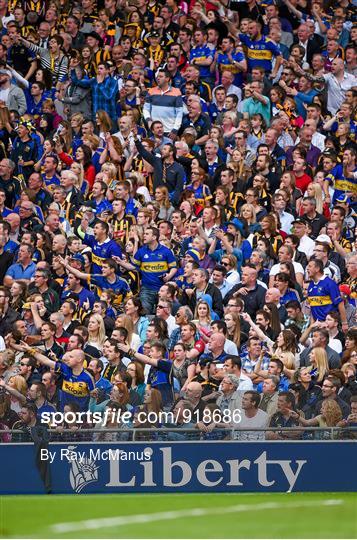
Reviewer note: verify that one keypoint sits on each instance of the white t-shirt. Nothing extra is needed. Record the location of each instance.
(260, 420)
(307, 246)
(245, 383)
(275, 269)
(230, 347)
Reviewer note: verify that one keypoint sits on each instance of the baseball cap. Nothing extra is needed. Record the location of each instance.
(343, 199)
(329, 152)
(300, 220)
(153, 34)
(323, 239)
(89, 205)
(78, 257)
(345, 289)
(26, 305)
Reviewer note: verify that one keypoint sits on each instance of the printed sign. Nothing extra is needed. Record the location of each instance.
(158, 467)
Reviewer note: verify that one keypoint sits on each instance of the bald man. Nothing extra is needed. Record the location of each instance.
(77, 383)
(249, 290)
(14, 222)
(59, 244)
(337, 82)
(272, 296)
(216, 347)
(193, 394)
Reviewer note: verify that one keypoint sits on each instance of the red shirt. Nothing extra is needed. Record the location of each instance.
(302, 182)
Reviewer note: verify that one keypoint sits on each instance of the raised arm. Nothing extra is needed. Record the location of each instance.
(77, 273)
(12, 391)
(138, 356)
(293, 9)
(37, 355)
(258, 330)
(20, 79)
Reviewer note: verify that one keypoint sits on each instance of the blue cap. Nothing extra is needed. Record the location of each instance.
(78, 257)
(343, 199)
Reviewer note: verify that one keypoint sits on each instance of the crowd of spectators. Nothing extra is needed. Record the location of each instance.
(178, 196)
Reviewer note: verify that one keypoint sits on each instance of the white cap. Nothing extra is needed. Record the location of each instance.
(324, 239)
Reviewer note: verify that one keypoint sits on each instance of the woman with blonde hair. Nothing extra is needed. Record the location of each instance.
(78, 170)
(288, 359)
(17, 388)
(96, 330)
(319, 361)
(330, 415)
(93, 141)
(314, 190)
(110, 172)
(163, 200)
(248, 213)
(203, 319)
(349, 370)
(229, 124)
(127, 322)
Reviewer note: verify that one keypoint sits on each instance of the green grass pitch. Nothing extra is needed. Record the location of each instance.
(214, 515)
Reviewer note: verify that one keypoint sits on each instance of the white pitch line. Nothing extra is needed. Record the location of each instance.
(100, 523)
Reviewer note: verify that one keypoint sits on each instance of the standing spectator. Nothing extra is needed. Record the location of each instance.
(104, 90)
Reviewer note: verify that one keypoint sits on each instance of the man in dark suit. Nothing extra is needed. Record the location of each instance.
(311, 42)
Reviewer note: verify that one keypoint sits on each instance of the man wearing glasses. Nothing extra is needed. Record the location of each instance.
(330, 389)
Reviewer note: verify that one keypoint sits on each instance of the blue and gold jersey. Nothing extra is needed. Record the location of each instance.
(323, 297)
(154, 264)
(224, 64)
(102, 251)
(341, 184)
(202, 53)
(160, 378)
(259, 52)
(75, 388)
(120, 287)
